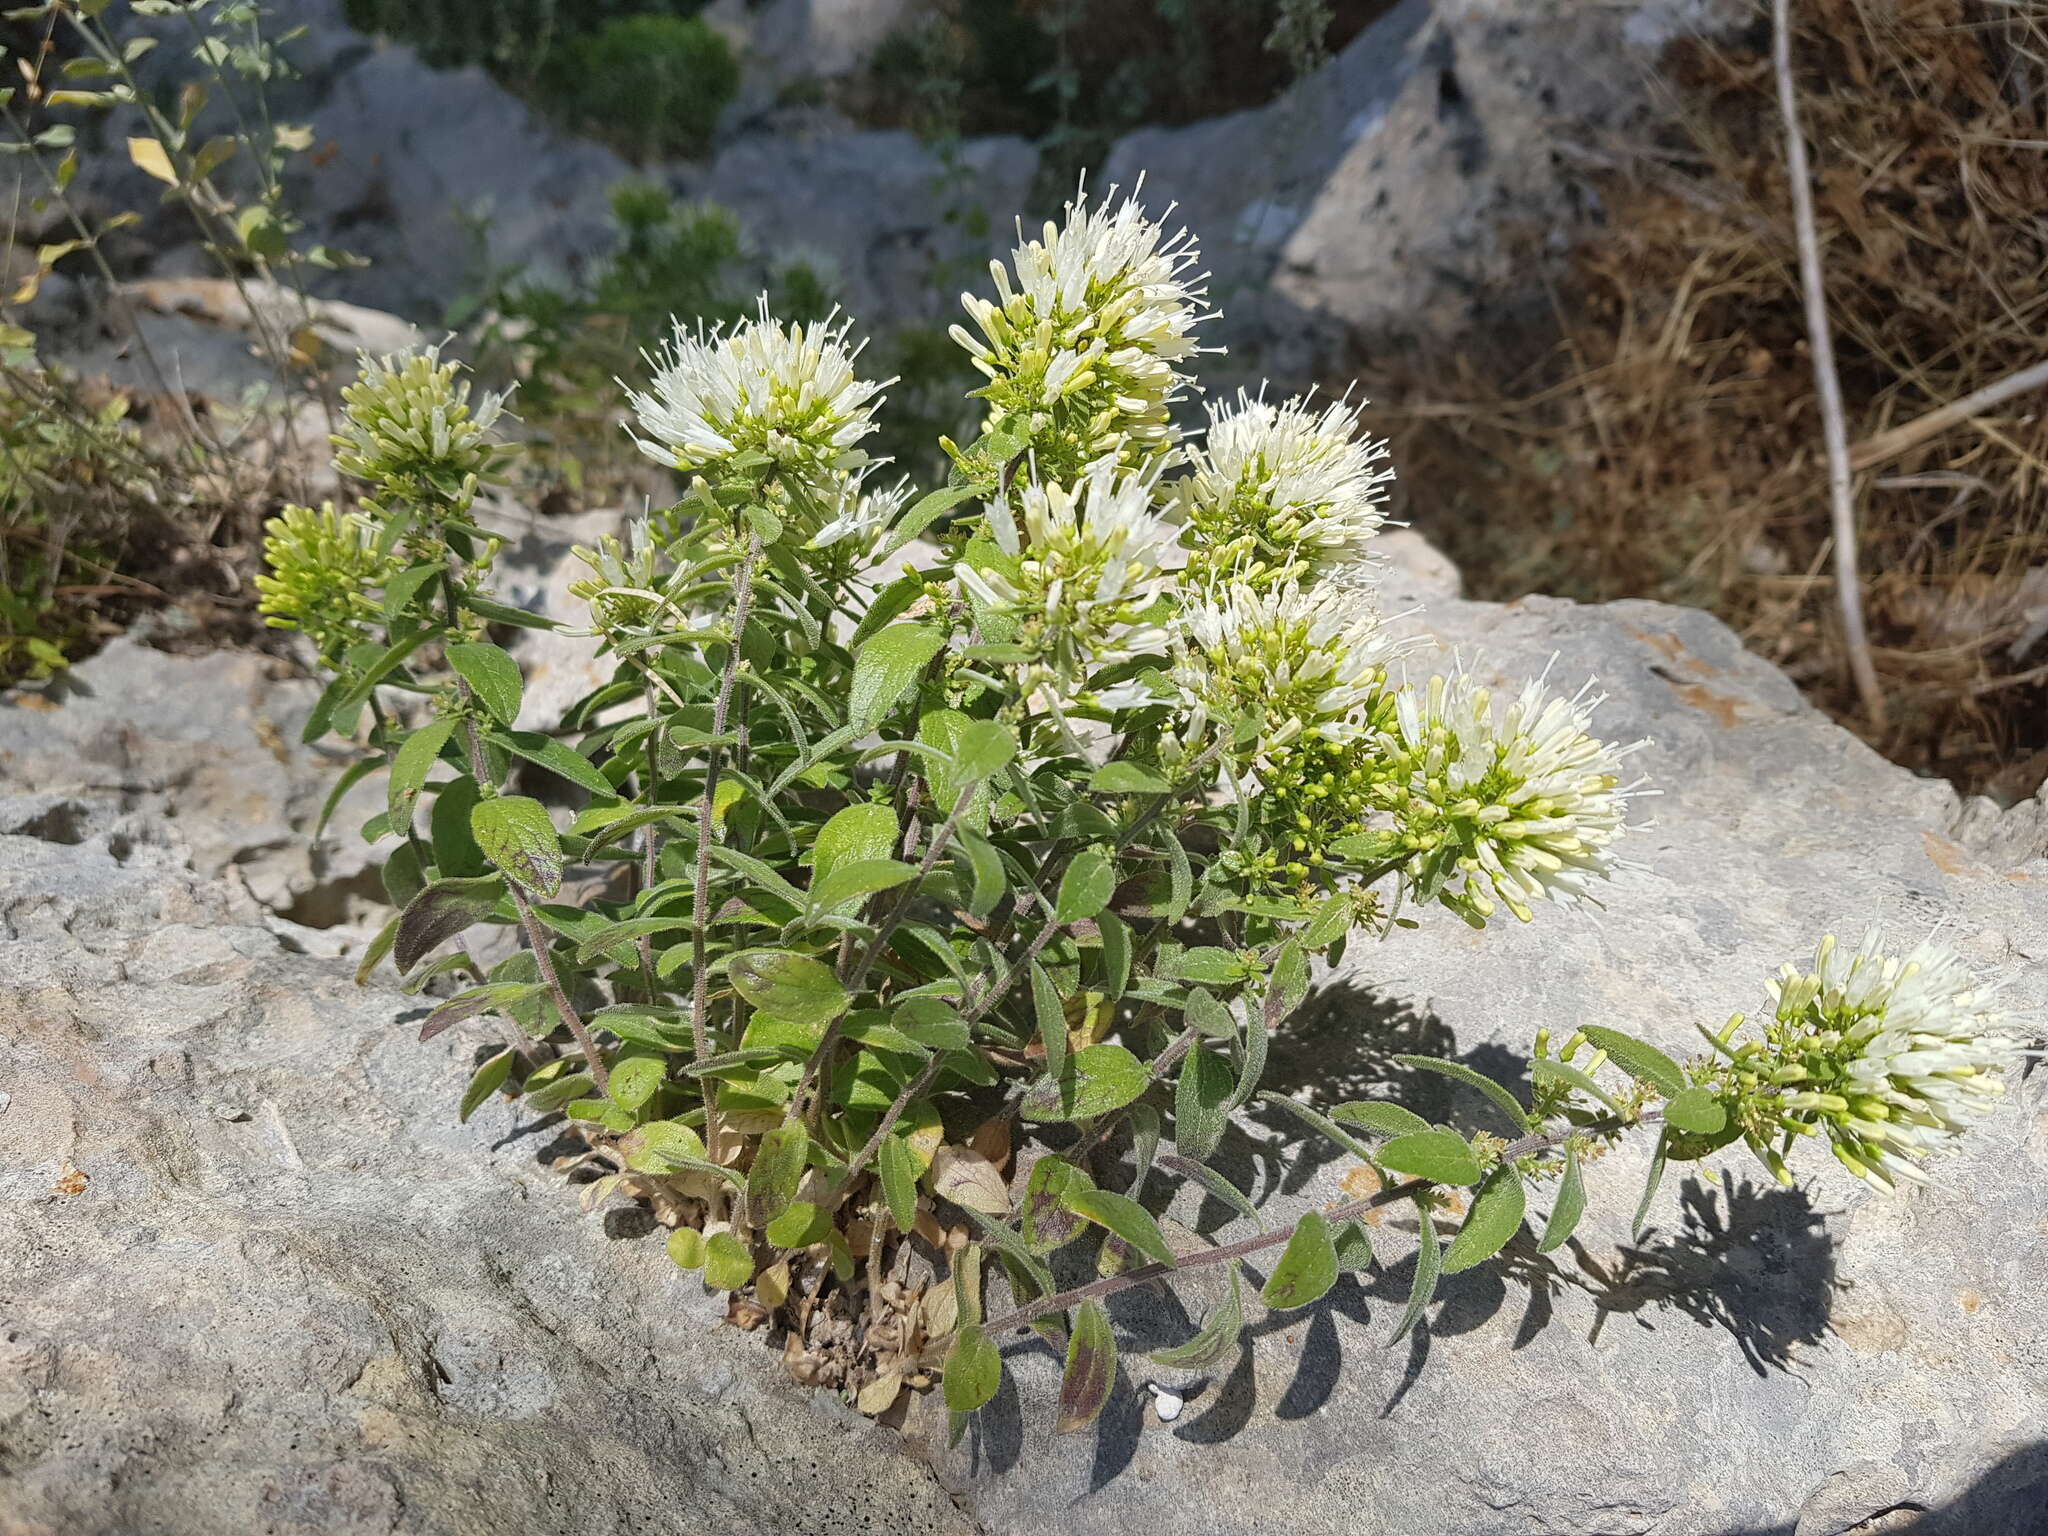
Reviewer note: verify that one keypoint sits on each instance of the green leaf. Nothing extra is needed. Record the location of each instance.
(504, 613)
(557, 758)
(1217, 1340)
(853, 836)
(1044, 1216)
(1126, 1218)
(1091, 1370)
(1212, 1018)
(1440, 1155)
(1428, 1265)
(1639, 1059)
(440, 912)
(974, 1370)
(1569, 1205)
(1121, 778)
(887, 667)
(1308, 1267)
(1115, 935)
(418, 753)
(1380, 1118)
(401, 589)
(1650, 1187)
(1322, 1124)
(490, 1077)
(990, 880)
(350, 704)
(1696, 1110)
(1496, 1216)
(1201, 1102)
(1095, 1080)
(1085, 887)
(559, 1092)
(662, 1146)
(801, 1225)
(454, 846)
(849, 884)
(727, 1265)
(778, 1168)
(636, 1080)
(1051, 1016)
(791, 987)
(982, 749)
(492, 674)
(898, 1167)
(686, 1248)
(516, 835)
(1544, 1068)
(1215, 1184)
(1354, 1247)
(1508, 1104)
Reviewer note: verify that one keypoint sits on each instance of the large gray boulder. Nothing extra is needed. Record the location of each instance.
(1764, 1360)
(254, 1277)
(1375, 197)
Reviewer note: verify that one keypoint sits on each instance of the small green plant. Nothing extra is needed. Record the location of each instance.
(652, 85)
(1025, 807)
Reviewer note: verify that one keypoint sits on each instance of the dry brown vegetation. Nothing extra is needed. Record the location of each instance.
(1669, 444)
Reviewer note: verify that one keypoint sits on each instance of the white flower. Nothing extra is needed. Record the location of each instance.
(411, 425)
(1892, 1058)
(1297, 660)
(861, 516)
(1085, 342)
(1085, 587)
(1520, 802)
(1283, 493)
(626, 589)
(787, 392)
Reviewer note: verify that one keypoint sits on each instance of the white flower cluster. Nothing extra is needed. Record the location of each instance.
(786, 392)
(1304, 660)
(1085, 588)
(1519, 803)
(409, 426)
(1283, 493)
(1086, 342)
(1891, 1057)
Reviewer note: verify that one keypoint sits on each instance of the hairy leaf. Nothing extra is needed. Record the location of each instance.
(1544, 1069)
(1440, 1155)
(1046, 1218)
(492, 674)
(440, 912)
(1381, 1119)
(1307, 1267)
(1216, 1342)
(887, 667)
(489, 1078)
(1569, 1205)
(1126, 1218)
(1091, 1370)
(727, 1265)
(1496, 1216)
(1201, 1102)
(1085, 887)
(1094, 1081)
(1696, 1110)
(778, 1168)
(1639, 1059)
(898, 1169)
(788, 986)
(1428, 1265)
(974, 1370)
(409, 768)
(1457, 1071)
(517, 836)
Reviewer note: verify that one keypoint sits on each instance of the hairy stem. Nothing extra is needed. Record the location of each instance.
(700, 926)
(1226, 1253)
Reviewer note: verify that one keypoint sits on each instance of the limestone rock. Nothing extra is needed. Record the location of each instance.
(254, 1277)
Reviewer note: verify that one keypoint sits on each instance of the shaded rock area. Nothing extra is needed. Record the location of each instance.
(1766, 1362)
(255, 1278)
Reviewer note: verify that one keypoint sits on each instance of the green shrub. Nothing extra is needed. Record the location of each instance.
(1035, 831)
(653, 86)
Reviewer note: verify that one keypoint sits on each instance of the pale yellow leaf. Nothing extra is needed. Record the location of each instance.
(149, 155)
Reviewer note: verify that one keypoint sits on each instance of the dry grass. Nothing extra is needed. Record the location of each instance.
(1668, 445)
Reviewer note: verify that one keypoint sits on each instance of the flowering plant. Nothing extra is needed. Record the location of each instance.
(903, 825)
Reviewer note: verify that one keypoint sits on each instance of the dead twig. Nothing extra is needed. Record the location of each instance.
(1827, 383)
(1890, 444)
